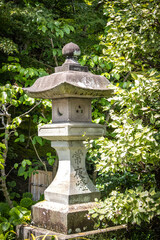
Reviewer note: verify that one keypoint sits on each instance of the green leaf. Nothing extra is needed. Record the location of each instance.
(16, 165)
(22, 138)
(14, 212)
(2, 145)
(152, 119)
(2, 237)
(44, 28)
(21, 171)
(51, 161)
(144, 194)
(16, 133)
(71, 28)
(109, 66)
(95, 59)
(67, 29)
(10, 59)
(61, 33)
(26, 162)
(12, 184)
(5, 226)
(54, 51)
(138, 135)
(94, 215)
(107, 75)
(33, 237)
(39, 140)
(101, 217)
(117, 76)
(134, 76)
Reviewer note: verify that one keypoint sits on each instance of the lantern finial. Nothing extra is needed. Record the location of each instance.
(71, 50)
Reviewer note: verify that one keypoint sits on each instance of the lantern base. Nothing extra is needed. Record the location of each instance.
(25, 231)
(66, 219)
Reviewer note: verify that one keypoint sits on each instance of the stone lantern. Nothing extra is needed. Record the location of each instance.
(72, 193)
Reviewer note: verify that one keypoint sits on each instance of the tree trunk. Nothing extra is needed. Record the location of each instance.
(4, 188)
(3, 173)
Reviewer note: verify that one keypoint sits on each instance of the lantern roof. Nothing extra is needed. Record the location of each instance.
(70, 80)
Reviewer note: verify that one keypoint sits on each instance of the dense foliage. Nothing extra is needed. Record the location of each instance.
(131, 151)
(119, 39)
(19, 214)
(128, 159)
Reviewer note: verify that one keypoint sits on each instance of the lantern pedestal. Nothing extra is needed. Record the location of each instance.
(72, 184)
(71, 194)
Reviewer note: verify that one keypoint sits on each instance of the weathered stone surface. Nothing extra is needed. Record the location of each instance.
(62, 218)
(71, 65)
(70, 84)
(71, 194)
(72, 184)
(70, 49)
(71, 110)
(71, 131)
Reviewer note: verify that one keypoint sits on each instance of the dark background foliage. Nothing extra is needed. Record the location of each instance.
(118, 39)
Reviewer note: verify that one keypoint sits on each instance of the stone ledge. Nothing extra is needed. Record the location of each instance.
(71, 131)
(25, 231)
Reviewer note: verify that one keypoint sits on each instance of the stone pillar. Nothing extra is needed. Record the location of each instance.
(72, 184)
(70, 195)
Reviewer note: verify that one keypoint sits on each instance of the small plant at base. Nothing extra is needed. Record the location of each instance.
(27, 195)
(8, 235)
(26, 202)
(53, 237)
(43, 237)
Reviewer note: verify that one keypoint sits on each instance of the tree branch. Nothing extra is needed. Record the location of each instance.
(128, 74)
(11, 170)
(30, 109)
(11, 133)
(55, 58)
(47, 65)
(45, 168)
